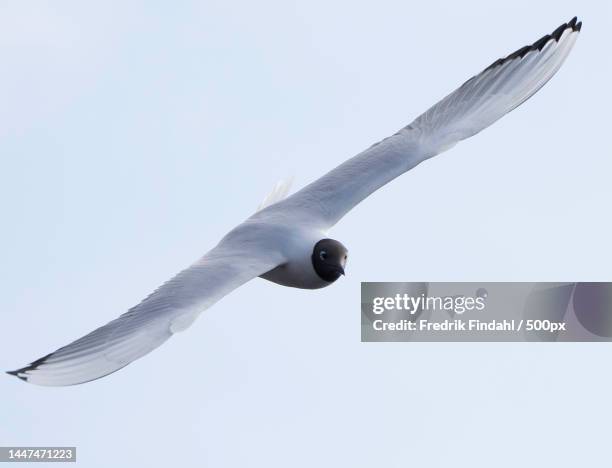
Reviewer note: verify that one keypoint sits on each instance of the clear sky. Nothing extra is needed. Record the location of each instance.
(133, 135)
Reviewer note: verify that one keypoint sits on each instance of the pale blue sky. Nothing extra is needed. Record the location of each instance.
(133, 136)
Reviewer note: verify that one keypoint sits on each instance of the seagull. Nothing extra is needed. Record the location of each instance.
(286, 240)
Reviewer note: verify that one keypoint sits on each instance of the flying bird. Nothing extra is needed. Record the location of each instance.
(286, 241)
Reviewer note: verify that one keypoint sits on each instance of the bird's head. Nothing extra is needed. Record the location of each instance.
(329, 259)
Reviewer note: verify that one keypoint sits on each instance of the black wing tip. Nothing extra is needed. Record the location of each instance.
(30, 367)
(16, 374)
(573, 24)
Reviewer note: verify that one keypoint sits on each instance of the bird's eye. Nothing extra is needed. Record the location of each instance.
(323, 254)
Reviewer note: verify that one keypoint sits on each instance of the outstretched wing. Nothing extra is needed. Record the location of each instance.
(480, 101)
(168, 310)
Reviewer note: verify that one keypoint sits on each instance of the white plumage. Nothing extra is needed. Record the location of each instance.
(277, 242)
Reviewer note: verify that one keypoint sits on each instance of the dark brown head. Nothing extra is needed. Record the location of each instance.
(329, 259)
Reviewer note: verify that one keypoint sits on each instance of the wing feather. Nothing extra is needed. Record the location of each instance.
(168, 310)
(479, 102)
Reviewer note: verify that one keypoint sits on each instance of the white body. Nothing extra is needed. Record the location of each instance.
(297, 245)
